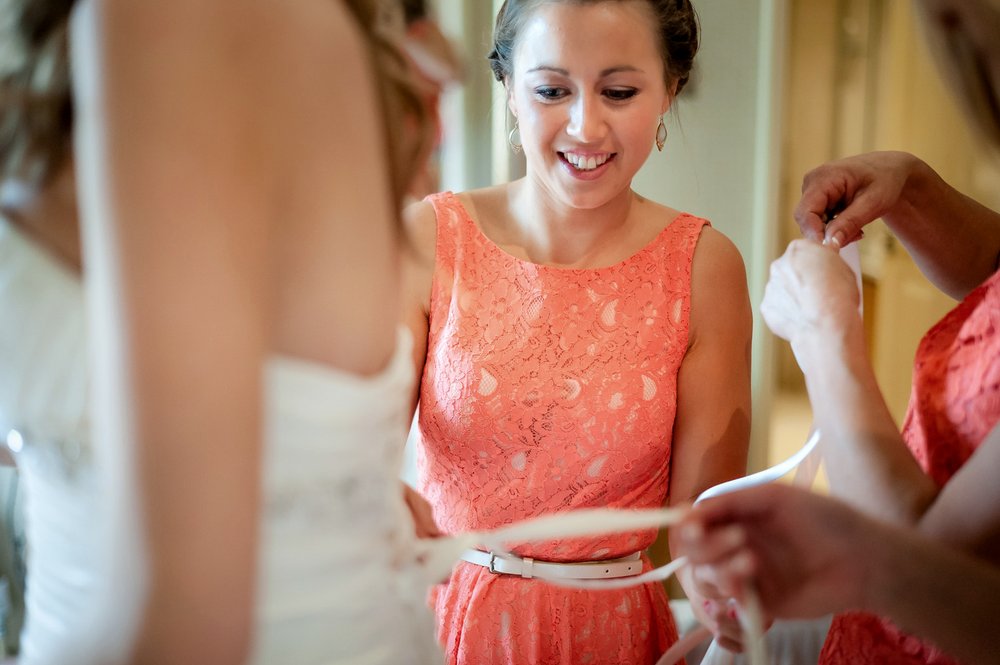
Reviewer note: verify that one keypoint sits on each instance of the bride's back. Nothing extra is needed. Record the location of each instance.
(237, 207)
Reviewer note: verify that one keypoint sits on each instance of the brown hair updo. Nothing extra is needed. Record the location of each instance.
(677, 27)
(36, 112)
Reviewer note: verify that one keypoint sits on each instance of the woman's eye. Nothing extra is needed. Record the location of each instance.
(620, 94)
(550, 93)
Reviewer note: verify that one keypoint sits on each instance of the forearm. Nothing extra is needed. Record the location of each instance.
(953, 239)
(867, 463)
(178, 376)
(935, 593)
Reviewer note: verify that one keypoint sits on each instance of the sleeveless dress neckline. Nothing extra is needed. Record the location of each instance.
(637, 256)
(397, 363)
(547, 390)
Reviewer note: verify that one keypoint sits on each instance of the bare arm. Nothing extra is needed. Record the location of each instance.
(811, 300)
(418, 275)
(204, 131)
(144, 202)
(954, 240)
(965, 515)
(915, 578)
(712, 426)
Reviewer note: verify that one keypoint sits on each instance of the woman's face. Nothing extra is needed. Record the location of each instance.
(588, 90)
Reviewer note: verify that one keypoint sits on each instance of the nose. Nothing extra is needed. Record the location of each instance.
(586, 120)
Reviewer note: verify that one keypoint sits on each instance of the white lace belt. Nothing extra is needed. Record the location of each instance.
(526, 567)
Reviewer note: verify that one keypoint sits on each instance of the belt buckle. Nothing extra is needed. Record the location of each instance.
(492, 567)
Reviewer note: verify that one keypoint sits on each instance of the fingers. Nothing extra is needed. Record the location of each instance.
(423, 515)
(703, 545)
(728, 632)
(722, 565)
(837, 202)
(846, 228)
(727, 576)
(810, 213)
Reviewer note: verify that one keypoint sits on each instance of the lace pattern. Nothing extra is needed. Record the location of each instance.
(339, 580)
(547, 390)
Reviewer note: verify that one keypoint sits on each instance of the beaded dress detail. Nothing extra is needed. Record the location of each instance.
(954, 405)
(45, 419)
(547, 390)
(340, 583)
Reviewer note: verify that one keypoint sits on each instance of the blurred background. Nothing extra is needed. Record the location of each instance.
(780, 87)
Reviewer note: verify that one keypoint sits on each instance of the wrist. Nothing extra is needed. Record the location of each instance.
(884, 561)
(917, 179)
(841, 342)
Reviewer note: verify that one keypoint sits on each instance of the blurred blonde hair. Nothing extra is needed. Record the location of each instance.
(407, 125)
(36, 109)
(968, 55)
(36, 112)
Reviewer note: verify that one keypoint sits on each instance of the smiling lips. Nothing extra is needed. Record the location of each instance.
(590, 162)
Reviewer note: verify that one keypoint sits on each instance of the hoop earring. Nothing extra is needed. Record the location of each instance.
(515, 145)
(661, 135)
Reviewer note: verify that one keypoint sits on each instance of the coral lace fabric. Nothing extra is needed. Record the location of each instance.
(954, 405)
(546, 390)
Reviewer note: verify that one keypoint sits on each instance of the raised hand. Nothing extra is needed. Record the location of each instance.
(841, 197)
(811, 294)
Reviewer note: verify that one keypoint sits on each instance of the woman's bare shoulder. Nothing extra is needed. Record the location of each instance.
(720, 298)
(716, 252)
(420, 230)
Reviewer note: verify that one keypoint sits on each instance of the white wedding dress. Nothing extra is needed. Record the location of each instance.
(44, 421)
(338, 581)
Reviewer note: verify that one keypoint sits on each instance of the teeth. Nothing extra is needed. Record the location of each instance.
(585, 163)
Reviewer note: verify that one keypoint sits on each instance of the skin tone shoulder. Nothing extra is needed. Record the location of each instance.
(587, 118)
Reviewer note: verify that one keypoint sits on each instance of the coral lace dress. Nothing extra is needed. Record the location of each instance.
(546, 390)
(954, 405)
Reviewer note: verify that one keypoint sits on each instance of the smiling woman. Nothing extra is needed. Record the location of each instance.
(579, 345)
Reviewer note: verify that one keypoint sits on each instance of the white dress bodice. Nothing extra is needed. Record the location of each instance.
(339, 578)
(45, 421)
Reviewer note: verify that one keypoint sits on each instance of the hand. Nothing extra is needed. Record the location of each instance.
(713, 607)
(803, 553)
(862, 188)
(811, 292)
(423, 515)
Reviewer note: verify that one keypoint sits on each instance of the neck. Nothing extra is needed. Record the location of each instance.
(557, 234)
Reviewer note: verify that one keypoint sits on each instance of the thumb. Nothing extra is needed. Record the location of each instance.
(847, 226)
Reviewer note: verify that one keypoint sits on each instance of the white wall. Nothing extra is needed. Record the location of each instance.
(721, 157)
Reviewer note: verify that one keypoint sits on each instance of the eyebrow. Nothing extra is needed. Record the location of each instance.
(607, 72)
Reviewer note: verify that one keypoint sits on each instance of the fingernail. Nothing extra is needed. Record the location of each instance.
(836, 240)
